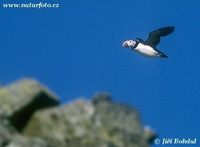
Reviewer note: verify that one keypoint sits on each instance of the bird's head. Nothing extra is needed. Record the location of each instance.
(129, 43)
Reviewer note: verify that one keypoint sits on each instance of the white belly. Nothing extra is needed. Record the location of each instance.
(146, 50)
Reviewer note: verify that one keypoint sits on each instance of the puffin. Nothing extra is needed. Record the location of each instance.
(148, 47)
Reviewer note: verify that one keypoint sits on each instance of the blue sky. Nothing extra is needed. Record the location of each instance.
(76, 51)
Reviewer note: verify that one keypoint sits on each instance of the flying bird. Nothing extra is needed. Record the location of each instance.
(148, 47)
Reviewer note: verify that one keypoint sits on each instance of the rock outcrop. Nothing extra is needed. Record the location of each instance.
(30, 116)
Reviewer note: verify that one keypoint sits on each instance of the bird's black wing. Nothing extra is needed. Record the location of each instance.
(140, 40)
(154, 36)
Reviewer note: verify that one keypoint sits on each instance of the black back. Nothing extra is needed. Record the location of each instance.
(154, 36)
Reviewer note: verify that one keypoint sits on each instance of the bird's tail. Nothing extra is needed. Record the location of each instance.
(162, 55)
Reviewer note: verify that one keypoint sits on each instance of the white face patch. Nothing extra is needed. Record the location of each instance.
(129, 43)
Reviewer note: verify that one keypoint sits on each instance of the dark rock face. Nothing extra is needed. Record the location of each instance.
(31, 117)
(22, 98)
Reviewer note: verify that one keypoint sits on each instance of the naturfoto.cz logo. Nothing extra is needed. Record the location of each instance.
(30, 5)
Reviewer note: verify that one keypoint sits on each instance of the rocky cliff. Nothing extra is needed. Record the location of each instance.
(31, 116)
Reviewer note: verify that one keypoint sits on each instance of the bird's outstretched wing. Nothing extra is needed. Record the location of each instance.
(154, 36)
(140, 40)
